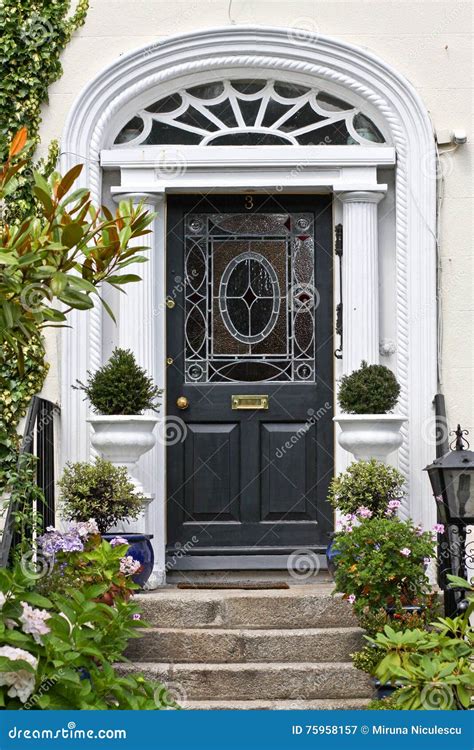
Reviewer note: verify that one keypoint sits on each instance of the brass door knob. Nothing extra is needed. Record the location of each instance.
(182, 402)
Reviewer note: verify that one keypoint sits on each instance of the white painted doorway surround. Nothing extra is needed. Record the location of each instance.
(149, 173)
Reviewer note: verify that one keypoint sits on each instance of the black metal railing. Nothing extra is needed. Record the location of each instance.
(38, 440)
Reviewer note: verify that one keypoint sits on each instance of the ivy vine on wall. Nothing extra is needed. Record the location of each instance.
(34, 34)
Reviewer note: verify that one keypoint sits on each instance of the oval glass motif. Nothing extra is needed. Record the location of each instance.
(249, 297)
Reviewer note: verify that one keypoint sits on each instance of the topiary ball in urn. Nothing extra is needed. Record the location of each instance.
(367, 429)
(373, 389)
(121, 386)
(119, 393)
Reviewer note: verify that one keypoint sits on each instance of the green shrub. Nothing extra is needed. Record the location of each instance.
(384, 704)
(121, 386)
(381, 563)
(100, 491)
(367, 484)
(366, 659)
(373, 389)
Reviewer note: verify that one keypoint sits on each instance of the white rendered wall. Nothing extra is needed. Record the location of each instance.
(428, 42)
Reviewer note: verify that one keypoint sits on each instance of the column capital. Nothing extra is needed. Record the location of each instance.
(361, 196)
(151, 198)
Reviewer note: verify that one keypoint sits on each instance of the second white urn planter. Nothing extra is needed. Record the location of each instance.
(369, 436)
(122, 439)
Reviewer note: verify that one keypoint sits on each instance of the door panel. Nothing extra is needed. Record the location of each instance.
(212, 471)
(252, 315)
(288, 476)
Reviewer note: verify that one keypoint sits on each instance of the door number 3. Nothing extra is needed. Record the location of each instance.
(248, 202)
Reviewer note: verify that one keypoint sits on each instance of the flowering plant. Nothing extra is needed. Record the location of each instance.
(57, 651)
(367, 489)
(79, 555)
(381, 563)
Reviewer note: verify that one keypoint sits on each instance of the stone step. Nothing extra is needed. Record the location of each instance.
(297, 607)
(225, 646)
(335, 704)
(241, 682)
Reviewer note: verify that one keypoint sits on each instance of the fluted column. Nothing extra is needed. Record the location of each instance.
(360, 310)
(141, 329)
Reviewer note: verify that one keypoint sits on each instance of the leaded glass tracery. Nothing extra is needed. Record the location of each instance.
(249, 112)
(250, 298)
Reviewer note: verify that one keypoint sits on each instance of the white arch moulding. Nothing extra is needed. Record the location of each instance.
(109, 100)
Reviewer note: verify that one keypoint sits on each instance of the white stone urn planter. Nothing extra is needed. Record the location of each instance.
(369, 436)
(122, 439)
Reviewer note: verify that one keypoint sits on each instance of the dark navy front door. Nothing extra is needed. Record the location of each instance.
(250, 352)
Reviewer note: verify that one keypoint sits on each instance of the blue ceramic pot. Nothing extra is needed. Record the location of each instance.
(331, 558)
(141, 550)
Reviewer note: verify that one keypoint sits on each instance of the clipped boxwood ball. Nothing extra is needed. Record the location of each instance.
(372, 389)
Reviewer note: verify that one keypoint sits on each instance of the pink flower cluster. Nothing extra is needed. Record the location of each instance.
(392, 507)
(406, 552)
(129, 566)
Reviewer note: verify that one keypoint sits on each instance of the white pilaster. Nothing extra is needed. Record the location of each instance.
(360, 311)
(141, 328)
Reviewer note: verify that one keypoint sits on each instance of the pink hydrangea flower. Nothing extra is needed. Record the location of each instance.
(351, 598)
(406, 551)
(364, 512)
(129, 566)
(392, 507)
(117, 541)
(438, 528)
(34, 621)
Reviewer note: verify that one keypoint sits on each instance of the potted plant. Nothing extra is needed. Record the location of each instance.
(367, 428)
(367, 489)
(119, 393)
(104, 492)
(381, 564)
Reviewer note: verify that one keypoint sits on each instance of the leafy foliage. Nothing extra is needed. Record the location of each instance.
(372, 389)
(381, 564)
(100, 491)
(34, 34)
(435, 667)
(62, 256)
(16, 389)
(121, 386)
(369, 484)
(57, 652)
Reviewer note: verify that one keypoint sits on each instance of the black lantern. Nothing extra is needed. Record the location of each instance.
(452, 480)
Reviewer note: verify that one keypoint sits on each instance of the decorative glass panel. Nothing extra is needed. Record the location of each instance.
(250, 298)
(249, 112)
